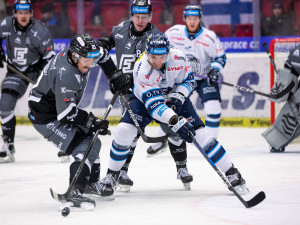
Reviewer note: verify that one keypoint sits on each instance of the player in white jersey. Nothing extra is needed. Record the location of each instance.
(206, 56)
(163, 82)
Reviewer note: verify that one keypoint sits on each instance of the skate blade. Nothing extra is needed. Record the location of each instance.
(65, 159)
(187, 186)
(123, 188)
(242, 189)
(156, 153)
(98, 197)
(84, 206)
(8, 159)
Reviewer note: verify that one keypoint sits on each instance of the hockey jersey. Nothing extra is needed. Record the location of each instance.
(26, 49)
(203, 50)
(57, 92)
(293, 60)
(151, 85)
(128, 46)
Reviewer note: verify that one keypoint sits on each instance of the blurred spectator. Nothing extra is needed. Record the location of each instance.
(167, 15)
(2, 9)
(56, 23)
(280, 23)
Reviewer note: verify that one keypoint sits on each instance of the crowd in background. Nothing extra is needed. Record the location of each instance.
(277, 17)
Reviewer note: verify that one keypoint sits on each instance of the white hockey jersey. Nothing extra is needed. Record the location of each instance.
(151, 85)
(203, 51)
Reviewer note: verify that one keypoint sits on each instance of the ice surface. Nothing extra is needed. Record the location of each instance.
(157, 197)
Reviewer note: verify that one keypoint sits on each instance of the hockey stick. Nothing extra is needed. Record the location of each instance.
(63, 197)
(248, 204)
(272, 96)
(270, 57)
(143, 135)
(21, 75)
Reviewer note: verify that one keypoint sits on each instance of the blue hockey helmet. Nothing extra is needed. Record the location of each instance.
(84, 45)
(158, 44)
(192, 10)
(22, 5)
(141, 6)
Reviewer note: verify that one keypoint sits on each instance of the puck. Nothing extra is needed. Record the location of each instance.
(65, 212)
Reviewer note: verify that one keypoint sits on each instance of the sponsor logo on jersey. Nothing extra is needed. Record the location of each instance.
(147, 76)
(188, 48)
(128, 45)
(176, 57)
(156, 104)
(178, 38)
(296, 53)
(65, 90)
(208, 90)
(18, 40)
(174, 68)
(27, 41)
(162, 109)
(158, 79)
(119, 36)
(46, 42)
(202, 43)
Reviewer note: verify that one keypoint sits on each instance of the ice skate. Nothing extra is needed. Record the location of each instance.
(236, 180)
(272, 149)
(97, 189)
(124, 182)
(7, 151)
(109, 182)
(184, 176)
(63, 157)
(77, 202)
(157, 148)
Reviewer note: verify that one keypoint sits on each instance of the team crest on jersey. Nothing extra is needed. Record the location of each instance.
(27, 40)
(128, 45)
(18, 40)
(296, 53)
(147, 76)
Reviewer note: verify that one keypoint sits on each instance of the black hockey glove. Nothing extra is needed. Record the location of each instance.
(175, 101)
(120, 82)
(213, 76)
(182, 127)
(2, 57)
(105, 42)
(94, 123)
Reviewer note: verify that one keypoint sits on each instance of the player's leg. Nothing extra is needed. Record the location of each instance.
(157, 147)
(210, 96)
(8, 124)
(124, 135)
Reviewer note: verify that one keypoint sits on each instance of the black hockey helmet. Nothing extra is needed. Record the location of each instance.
(22, 5)
(158, 44)
(141, 6)
(84, 45)
(192, 10)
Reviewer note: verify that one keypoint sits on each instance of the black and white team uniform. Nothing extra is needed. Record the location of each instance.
(28, 50)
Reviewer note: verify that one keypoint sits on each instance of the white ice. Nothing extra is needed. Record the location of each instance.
(157, 197)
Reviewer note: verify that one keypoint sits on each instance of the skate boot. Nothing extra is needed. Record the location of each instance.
(77, 202)
(109, 182)
(63, 157)
(272, 149)
(7, 151)
(184, 176)
(157, 148)
(236, 180)
(97, 189)
(124, 182)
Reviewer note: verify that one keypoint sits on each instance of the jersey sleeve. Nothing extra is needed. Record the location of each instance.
(147, 90)
(3, 29)
(65, 98)
(217, 52)
(185, 82)
(46, 45)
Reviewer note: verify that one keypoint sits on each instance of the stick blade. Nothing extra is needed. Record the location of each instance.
(256, 199)
(58, 197)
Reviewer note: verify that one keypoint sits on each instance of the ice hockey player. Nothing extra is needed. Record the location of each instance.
(206, 56)
(29, 47)
(287, 124)
(129, 39)
(163, 81)
(53, 110)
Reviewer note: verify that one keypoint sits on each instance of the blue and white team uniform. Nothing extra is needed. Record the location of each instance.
(203, 51)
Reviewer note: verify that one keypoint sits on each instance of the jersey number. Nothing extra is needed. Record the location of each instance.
(127, 62)
(20, 55)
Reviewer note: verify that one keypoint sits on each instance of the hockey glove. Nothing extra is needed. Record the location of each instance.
(175, 101)
(94, 123)
(105, 42)
(120, 82)
(213, 76)
(182, 127)
(2, 57)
